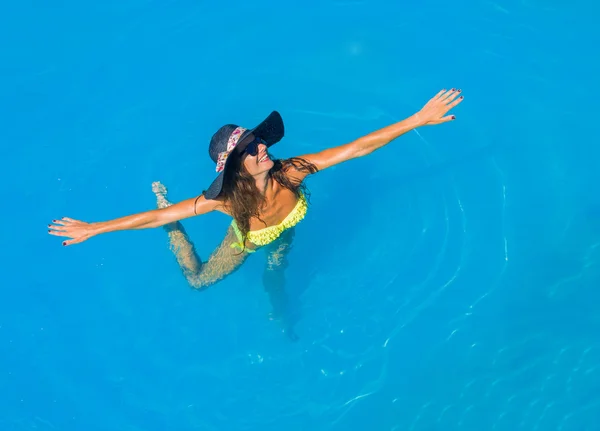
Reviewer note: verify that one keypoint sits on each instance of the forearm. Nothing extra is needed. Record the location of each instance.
(362, 146)
(145, 220)
(379, 138)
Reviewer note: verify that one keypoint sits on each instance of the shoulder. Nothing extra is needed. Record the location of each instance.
(297, 168)
(216, 204)
(201, 205)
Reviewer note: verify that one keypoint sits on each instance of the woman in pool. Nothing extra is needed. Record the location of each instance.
(265, 198)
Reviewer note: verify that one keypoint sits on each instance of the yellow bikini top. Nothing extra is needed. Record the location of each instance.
(271, 233)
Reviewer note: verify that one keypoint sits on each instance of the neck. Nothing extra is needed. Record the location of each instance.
(262, 183)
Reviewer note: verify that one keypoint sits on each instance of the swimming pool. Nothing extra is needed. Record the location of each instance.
(458, 292)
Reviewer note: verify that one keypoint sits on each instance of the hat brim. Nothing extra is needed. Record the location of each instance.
(270, 130)
(215, 188)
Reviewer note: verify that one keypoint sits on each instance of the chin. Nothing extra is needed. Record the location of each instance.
(267, 165)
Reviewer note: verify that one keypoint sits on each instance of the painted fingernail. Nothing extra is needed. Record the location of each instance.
(454, 117)
(461, 97)
(453, 89)
(64, 243)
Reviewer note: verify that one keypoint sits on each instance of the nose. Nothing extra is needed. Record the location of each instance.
(262, 148)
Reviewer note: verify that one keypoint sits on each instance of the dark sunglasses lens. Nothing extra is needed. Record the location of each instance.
(252, 147)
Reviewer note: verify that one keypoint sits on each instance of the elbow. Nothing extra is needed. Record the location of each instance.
(361, 152)
(364, 147)
(155, 219)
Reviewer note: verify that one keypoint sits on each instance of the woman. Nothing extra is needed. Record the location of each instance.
(266, 198)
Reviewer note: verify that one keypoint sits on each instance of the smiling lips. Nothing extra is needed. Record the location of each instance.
(264, 158)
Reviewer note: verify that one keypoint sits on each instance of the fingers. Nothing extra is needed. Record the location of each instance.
(439, 95)
(69, 241)
(57, 232)
(447, 101)
(59, 225)
(442, 95)
(442, 120)
(436, 98)
(73, 241)
(455, 102)
(65, 221)
(450, 95)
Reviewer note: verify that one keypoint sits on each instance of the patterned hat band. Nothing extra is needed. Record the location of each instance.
(232, 142)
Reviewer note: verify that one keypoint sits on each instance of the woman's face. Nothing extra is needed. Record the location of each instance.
(257, 164)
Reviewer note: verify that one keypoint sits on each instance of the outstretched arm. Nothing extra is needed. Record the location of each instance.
(80, 231)
(434, 112)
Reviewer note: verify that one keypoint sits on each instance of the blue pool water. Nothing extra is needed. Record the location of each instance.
(447, 282)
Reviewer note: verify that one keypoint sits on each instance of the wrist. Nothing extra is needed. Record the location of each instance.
(96, 228)
(416, 120)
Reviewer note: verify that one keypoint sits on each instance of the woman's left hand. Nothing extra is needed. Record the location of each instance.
(434, 112)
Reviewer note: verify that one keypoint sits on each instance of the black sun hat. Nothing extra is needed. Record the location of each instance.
(227, 138)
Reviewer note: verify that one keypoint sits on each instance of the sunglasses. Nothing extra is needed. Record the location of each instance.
(252, 147)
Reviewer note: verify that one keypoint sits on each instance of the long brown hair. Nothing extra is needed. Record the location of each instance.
(242, 198)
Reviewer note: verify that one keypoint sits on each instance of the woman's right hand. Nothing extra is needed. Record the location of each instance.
(76, 229)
